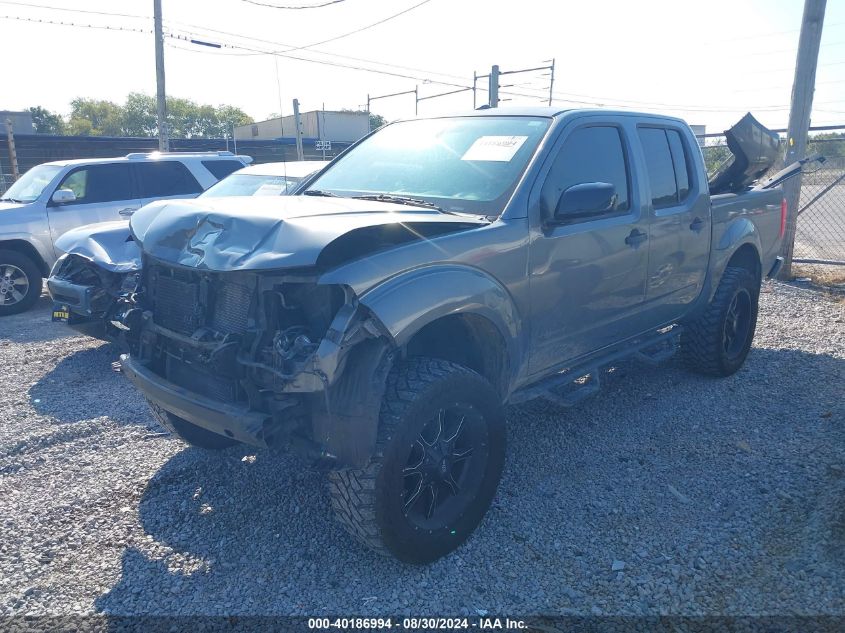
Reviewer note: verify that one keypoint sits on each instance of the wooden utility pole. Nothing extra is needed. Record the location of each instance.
(13, 154)
(799, 117)
(161, 104)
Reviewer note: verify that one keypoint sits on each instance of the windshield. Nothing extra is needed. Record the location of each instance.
(29, 186)
(252, 185)
(463, 164)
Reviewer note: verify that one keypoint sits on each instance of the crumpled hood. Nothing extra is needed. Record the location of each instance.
(257, 233)
(107, 244)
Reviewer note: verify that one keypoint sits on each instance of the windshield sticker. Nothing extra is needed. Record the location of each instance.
(494, 148)
(269, 189)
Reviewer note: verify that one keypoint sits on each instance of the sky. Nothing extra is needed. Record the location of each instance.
(708, 63)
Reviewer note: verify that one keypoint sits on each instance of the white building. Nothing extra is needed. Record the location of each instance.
(322, 125)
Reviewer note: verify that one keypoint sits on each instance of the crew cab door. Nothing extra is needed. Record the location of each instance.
(102, 190)
(680, 220)
(588, 274)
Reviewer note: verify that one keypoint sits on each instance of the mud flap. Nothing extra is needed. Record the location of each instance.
(345, 417)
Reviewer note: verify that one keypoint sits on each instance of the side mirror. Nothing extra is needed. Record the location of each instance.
(585, 199)
(63, 196)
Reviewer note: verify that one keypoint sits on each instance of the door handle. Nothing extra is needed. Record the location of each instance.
(696, 225)
(635, 238)
(127, 211)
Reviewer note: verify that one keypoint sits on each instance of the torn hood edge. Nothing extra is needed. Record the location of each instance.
(107, 244)
(253, 233)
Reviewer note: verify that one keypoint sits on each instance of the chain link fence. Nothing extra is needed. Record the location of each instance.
(819, 252)
(820, 232)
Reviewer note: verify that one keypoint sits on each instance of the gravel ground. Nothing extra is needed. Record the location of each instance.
(667, 493)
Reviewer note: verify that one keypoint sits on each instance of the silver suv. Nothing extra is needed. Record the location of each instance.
(55, 197)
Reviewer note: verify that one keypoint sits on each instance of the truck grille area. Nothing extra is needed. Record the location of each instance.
(185, 300)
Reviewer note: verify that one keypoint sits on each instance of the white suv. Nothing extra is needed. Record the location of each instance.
(55, 197)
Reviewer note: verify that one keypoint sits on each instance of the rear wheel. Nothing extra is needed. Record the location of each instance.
(718, 342)
(20, 282)
(190, 433)
(438, 462)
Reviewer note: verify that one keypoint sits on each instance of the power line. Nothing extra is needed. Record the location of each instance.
(565, 97)
(294, 8)
(54, 8)
(321, 62)
(76, 24)
(201, 29)
(363, 28)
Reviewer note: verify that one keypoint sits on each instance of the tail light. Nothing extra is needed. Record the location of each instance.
(782, 217)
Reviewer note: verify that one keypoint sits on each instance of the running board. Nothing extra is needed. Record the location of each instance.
(642, 350)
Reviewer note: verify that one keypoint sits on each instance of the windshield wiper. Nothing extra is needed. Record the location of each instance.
(411, 202)
(15, 200)
(320, 192)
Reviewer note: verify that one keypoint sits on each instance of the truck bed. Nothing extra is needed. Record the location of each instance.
(762, 212)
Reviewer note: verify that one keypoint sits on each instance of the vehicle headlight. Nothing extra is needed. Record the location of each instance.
(58, 265)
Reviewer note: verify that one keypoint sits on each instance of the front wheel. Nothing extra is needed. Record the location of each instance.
(718, 342)
(438, 461)
(20, 282)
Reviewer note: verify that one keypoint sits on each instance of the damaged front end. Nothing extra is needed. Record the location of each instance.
(260, 357)
(91, 299)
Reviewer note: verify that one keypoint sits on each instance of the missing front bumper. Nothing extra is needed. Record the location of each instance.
(236, 422)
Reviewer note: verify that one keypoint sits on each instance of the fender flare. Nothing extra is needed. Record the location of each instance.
(408, 302)
(740, 231)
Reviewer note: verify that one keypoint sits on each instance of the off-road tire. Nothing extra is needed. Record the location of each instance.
(190, 433)
(29, 268)
(702, 341)
(368, 501)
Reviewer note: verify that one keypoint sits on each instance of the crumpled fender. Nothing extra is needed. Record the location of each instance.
(107, 244)
(406, 303)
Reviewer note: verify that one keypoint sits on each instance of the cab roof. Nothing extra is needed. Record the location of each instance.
(152, 156)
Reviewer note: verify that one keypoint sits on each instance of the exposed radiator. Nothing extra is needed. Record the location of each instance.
(176, 304)
(231, 307)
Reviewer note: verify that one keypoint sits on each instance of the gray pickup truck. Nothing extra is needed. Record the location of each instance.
(438, 270)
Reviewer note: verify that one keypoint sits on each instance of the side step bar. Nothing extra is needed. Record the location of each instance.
(652, 350)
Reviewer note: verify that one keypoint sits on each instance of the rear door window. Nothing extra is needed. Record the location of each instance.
(222, 168)
(660, 167)
(160, 179)
(99, 183)
(681, 162)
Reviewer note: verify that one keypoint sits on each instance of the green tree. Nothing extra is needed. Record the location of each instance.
(46, 122)
(714, 157)
(828, 144)
(376, 121)
(95, 118)
(139, 117)
(229, 116)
